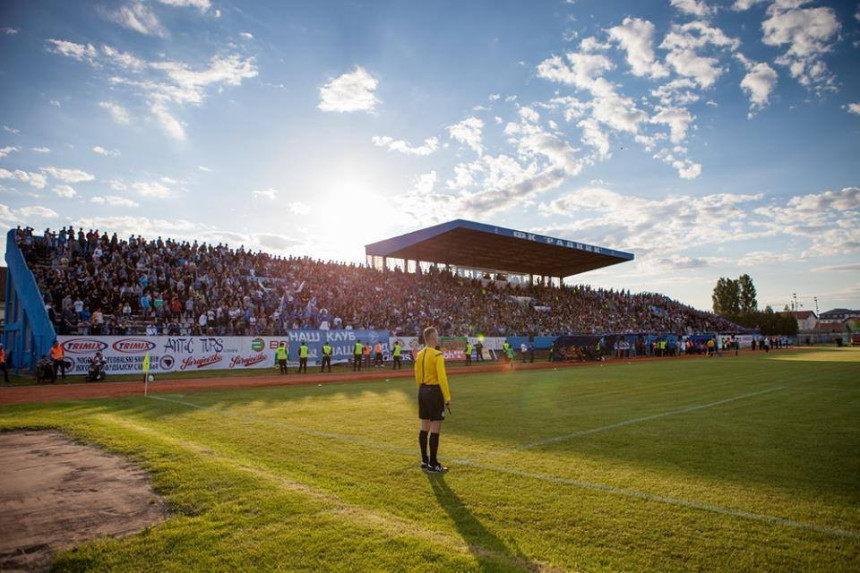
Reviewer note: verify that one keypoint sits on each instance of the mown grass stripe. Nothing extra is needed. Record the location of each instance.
(728, 511)
(630, 422)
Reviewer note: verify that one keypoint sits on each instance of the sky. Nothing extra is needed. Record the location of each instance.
(708, 137)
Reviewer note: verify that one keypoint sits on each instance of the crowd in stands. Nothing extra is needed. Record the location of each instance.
(97, 283)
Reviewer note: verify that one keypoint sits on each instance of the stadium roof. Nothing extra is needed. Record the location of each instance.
(479, 246)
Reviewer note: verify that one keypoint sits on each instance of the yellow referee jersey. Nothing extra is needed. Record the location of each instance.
(430, 369)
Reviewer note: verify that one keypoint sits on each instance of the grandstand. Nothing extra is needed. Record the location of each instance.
(76, 283)
(473, 250)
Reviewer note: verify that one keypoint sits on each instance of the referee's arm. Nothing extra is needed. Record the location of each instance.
(418, 358)
(442, 376)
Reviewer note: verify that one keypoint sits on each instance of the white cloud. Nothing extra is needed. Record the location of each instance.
(680, 91)
(830, 220)
(5, 151)
(138, 17)
(69, 175)
(161, 83)
(298, 208)
(678, 120)
(204, 168)
(117, 112)
(117, 185)
(430, 145)
(594, 137)
(592, 44)
(582, 73)
(55, 103)
(533, 142)
(169, 124)
(41, 149)
(106, 152)
(494, 97)
(528, 114)
(686, 168)
(189, 86)
(697, 8)
(352, 91)
(80, 52)
(202, 5)
(756, 259)
(741, 5)
(123, 59)
(246, 35)
(270, 194)
(672, 223)
(152, 189)
(37, 211)
(424, 183)
(66, 191)
(469, 132)
(11, 130)
(683, 43)
(36, 180)
(636, 37)
(758, 84)
(114, 201)
(854, 108)
(809, 34)
(9, 31)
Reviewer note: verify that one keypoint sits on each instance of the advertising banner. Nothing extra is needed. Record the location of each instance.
(125, 354)
(411, 346)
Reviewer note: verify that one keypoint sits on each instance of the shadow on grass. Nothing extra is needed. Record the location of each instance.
(491, 552)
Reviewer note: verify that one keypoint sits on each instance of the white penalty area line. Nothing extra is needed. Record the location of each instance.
(728, 511)
(581, 433)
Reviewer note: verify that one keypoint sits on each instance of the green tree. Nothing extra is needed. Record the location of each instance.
(727, 297)
(748, 301)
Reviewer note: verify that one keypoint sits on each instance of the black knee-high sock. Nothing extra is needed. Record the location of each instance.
(422, 440)
(434, 447)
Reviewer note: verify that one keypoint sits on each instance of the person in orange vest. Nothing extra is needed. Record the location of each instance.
(377, 350)
(366, 351)
(58, 357)
(3, 364)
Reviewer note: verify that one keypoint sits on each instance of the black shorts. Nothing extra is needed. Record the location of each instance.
(431, 403)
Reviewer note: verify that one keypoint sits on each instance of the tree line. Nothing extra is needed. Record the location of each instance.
(735, 300)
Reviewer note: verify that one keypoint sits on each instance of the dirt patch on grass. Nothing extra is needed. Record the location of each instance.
(56, 494)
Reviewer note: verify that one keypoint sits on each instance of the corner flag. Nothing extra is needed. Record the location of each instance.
(145, 377)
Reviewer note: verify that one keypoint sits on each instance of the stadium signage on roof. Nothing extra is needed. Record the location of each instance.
(556, 242)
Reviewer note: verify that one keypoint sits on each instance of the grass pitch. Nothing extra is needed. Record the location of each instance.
(743, 463)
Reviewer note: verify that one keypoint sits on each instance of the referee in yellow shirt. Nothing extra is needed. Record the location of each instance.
(433, 397)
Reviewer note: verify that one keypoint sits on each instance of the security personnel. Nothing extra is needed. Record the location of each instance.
(3, 364)
(356, 356)
(509, 353)
(479, 351)
(366, 351)
(58, 357)
(281, 357)
(377, 359)
(433, 397)
(326, 358)
(398, 355)
(468, 353)
(303, 357)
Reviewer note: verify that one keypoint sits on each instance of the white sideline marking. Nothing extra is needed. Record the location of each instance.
(547, 478)
(633, 421)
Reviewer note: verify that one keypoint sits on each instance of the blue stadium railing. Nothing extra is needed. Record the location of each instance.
(29, 333)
